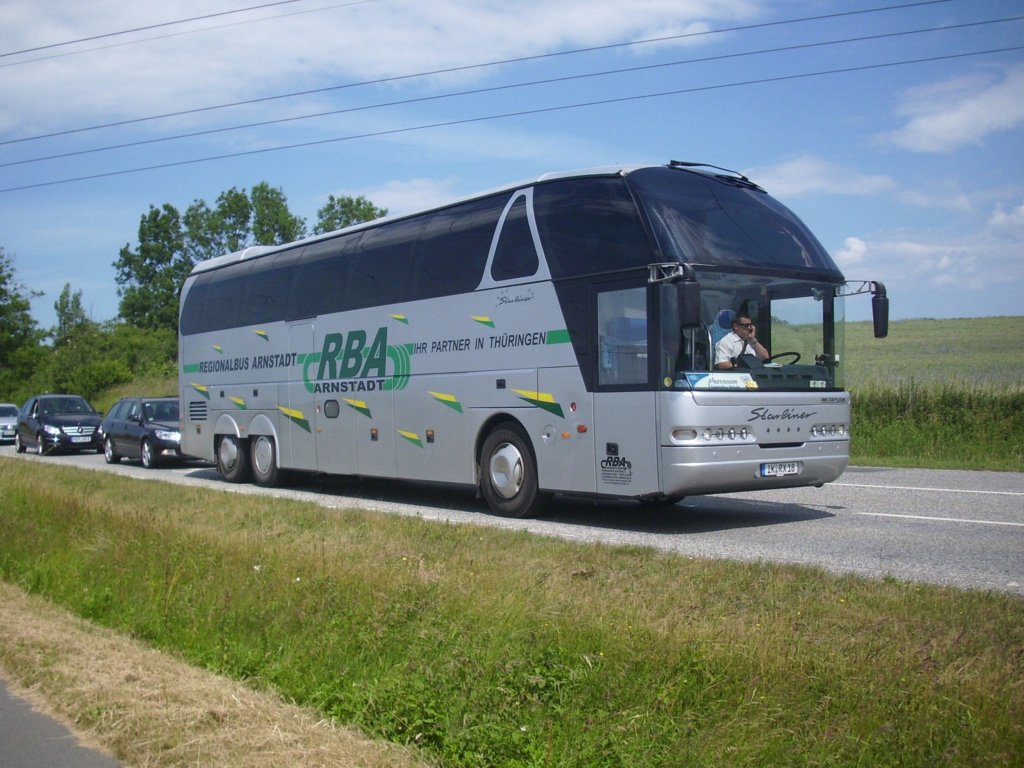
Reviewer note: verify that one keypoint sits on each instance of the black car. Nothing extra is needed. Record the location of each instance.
(57, 423)
(145, 428)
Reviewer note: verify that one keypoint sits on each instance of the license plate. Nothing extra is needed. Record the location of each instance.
(83, 439)
(781, 469)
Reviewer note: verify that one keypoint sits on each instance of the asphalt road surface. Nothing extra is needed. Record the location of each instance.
(959, 528)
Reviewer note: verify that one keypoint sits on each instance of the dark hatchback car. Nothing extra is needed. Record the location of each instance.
(57, 423)
(145, 428)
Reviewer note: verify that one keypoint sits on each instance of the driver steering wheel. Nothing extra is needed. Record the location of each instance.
(794, 355)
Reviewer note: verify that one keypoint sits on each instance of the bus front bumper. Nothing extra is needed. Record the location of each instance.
(695, 470)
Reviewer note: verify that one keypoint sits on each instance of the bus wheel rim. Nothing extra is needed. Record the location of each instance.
(506, 471)
(228, 453)
(263, 454)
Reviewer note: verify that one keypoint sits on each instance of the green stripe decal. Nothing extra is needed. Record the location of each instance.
(412, 437)
(296, 417)
(541, 400)
(450, 400)
(359, 405)
(558, 337)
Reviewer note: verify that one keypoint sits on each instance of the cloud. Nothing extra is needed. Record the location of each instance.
(851, 253)
(275, 50)
(1008, 225)
(811, 175)
(936, 266)
(950, 114)
(409, 195)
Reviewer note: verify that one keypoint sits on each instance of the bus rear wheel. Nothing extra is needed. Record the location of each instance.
(508, 473)
(264, 461)
(233, 459)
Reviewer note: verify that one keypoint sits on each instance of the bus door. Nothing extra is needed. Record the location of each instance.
(297, 421)
(625, 420)
(565, 452)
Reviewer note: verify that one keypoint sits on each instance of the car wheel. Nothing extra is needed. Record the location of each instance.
(233, 459)
(264, 460)
(508, 473)
(18, 445)
(109, 453)
(40, 445)
(148, 457)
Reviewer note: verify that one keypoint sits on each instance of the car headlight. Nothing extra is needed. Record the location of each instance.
(50, 429)
(168, 434)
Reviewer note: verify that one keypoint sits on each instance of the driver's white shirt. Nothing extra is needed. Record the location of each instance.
(730, 346)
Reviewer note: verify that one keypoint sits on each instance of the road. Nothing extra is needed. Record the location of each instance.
(958, 528)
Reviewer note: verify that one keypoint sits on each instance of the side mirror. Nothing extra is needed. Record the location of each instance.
(688, 296)
(879, 310)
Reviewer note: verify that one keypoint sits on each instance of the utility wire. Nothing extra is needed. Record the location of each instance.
(510, 86)
(168, 36)
(466, 67)
(521, 113)
(145, 28)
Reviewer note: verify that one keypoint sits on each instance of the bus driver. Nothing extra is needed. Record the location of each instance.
(741, 341)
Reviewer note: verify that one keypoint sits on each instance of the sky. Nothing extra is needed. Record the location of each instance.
(894, 129)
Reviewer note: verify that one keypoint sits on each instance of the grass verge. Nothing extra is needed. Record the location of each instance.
(488, 648)
(941, 426)
(152, 709)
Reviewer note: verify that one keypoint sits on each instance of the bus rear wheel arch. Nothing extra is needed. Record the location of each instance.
(232, 457)
(508, 472)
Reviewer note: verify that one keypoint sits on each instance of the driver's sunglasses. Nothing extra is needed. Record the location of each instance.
(748, 326)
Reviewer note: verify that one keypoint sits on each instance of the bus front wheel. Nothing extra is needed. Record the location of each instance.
(233, 459)
(508, 473)
(264, 461)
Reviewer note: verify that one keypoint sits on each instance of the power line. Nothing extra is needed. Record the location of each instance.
(139, 41)
(145, 28)
(521, 113)
(466, 67)
(509, 86)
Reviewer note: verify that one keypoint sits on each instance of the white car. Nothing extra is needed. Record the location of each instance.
(8, 421)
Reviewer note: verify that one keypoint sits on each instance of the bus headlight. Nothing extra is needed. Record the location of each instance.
(829, 431)
(711, 434)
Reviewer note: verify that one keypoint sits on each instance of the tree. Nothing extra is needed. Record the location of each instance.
(272, 222)
(151, 276)
(20, 337)
(71, 317)
(341, 212)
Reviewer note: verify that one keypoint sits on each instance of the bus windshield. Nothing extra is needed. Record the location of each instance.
(797, 324)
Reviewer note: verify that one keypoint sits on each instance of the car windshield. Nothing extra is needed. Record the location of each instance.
(7, 411)
(161, 410)
(55, 406)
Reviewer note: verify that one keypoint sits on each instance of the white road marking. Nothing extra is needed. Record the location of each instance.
(935, 490)
(941, 519)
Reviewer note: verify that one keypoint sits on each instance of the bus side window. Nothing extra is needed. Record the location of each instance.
(622, 342)
(515, 255)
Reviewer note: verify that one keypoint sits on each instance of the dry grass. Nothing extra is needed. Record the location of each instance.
(149, 709)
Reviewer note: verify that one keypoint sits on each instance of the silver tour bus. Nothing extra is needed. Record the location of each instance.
(555, 336)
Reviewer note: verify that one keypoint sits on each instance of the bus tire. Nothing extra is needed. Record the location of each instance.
(508, 473)
(264, 460)
(233, 459)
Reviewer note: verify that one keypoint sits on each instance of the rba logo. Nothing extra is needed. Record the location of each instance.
(617, 462)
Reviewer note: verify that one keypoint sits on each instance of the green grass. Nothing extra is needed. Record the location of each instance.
(967, 352)
(491, 648)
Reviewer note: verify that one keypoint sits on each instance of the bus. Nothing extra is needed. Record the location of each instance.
(553, 336)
